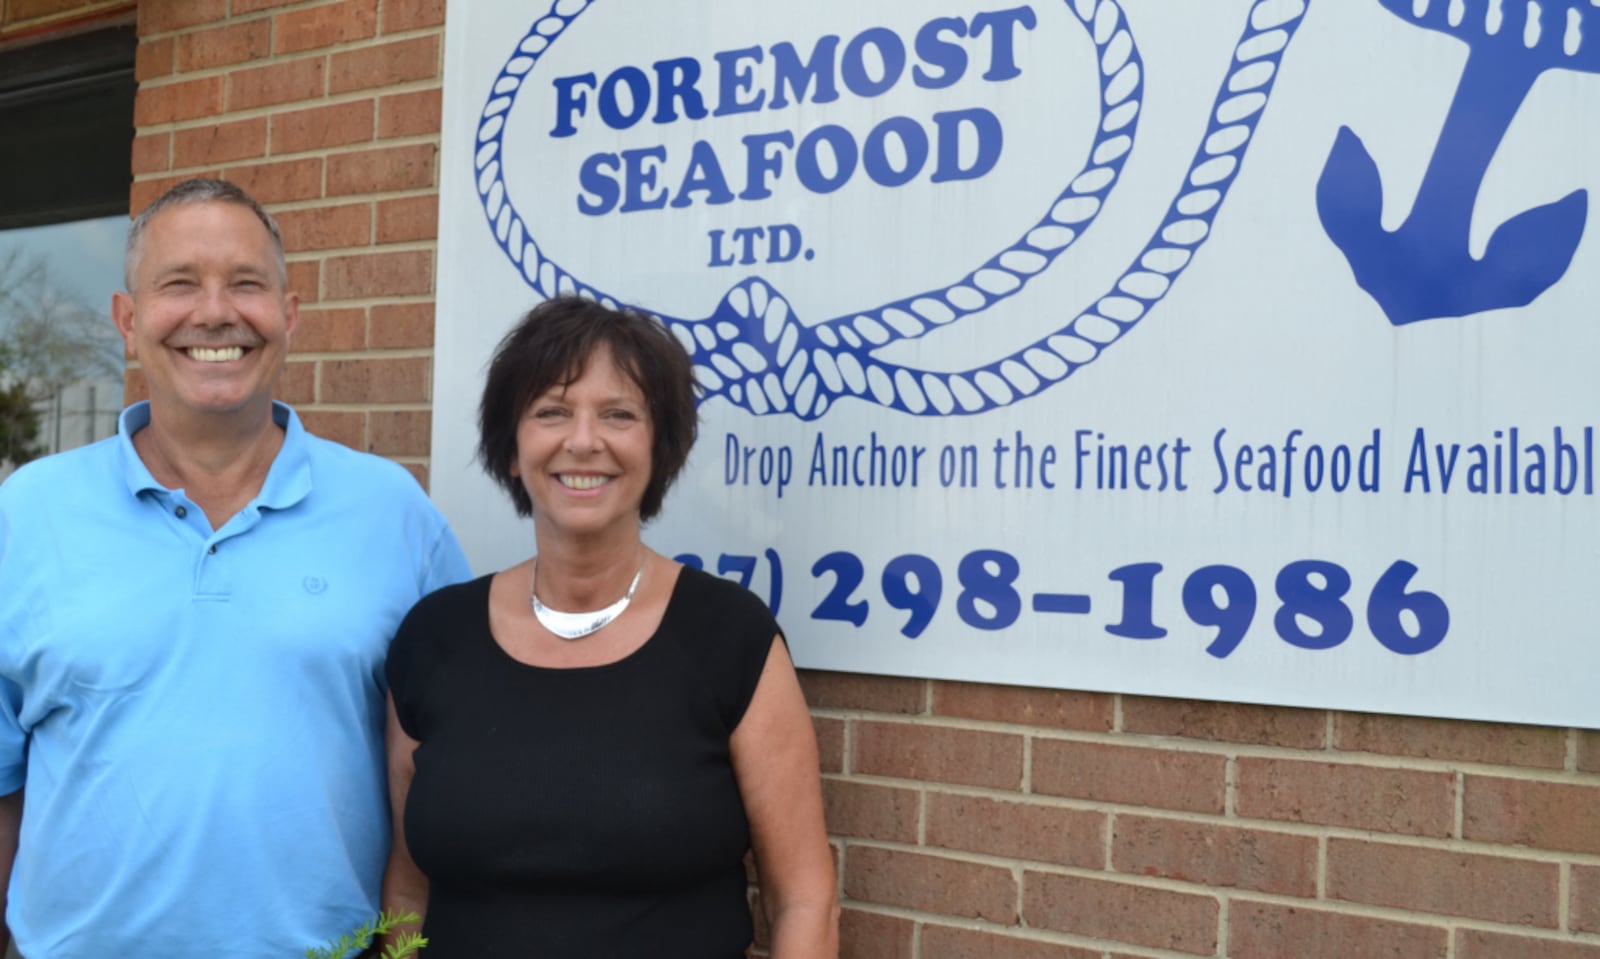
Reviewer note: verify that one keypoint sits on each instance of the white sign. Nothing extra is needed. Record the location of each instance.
(1237, 350)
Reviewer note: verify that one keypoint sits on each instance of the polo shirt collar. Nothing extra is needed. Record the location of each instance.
(288, 481)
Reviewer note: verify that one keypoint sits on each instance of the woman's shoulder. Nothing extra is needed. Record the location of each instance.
(455, 597)
(443, 612)
(701, 596)
(727, 632)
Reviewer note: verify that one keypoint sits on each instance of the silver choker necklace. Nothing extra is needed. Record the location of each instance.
(577, 625)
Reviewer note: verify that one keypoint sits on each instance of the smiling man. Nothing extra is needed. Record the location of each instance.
(193, 620)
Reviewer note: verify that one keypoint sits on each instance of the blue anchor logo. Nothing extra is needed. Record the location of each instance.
(1423, 270)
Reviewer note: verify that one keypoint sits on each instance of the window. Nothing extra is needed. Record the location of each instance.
(59, 351)
(66, 107)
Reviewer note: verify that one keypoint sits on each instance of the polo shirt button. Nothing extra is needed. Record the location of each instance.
(213, 549)
(182, 512)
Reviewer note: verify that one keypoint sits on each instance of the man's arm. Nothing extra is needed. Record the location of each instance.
(10, 829)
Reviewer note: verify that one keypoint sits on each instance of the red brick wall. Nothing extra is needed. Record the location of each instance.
(988, 822)
(970, 821)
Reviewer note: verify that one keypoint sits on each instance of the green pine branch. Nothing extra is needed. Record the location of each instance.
(404, 944)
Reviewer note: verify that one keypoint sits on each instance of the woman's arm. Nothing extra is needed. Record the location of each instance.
(405, 888)
(10, 829)
(774, 753)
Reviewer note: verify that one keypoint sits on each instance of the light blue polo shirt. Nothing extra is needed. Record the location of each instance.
(197, 715)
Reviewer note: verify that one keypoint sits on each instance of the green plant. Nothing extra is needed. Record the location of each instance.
(404, 944)
(19, 422)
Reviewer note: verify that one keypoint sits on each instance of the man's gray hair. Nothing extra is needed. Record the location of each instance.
(198, 190)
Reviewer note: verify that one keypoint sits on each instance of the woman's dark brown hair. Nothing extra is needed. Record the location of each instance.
(549, 347)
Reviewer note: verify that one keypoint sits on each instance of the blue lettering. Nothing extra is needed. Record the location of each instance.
(675, 80)
(784, 243)
(737, 77)
(759, 162)
(593, 178)
(718, 258)
(891, 52)
(1002, 51)
(870, 65)
(641, 176)
(748, 235)
(788, 70)
(638, 97)
(990, 139)
(938, 52)
(570, 101)
(809, 170)
(704, 173)
(875, 154)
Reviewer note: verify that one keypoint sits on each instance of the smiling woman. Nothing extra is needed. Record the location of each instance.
(599, 734)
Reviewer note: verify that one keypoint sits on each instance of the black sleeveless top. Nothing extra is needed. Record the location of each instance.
(586, 813)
